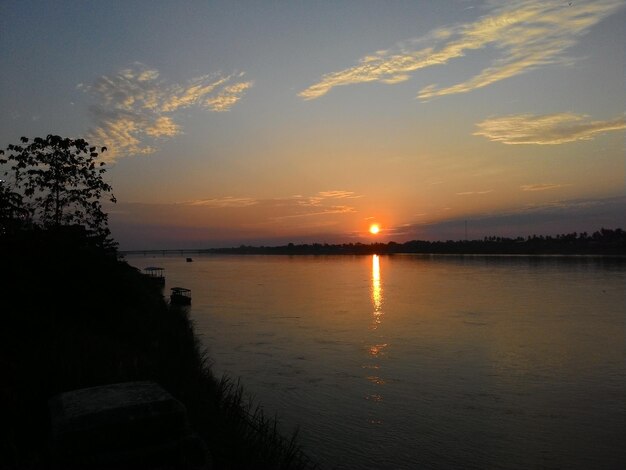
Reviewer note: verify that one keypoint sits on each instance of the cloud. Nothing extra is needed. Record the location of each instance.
(136, 108)
(320, 203)
(225, 99)
(547, 129)
(323, 211)
(162, 126)
(338, 195)
(197, 90)
(542, 187)
(319, 198)
(472, 193)
(223, 202)
(525, 34)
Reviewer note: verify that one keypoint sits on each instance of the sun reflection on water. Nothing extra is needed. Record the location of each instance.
(377, 292)
(375, 351)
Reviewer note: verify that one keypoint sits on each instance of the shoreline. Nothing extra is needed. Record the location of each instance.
(172, 253)
(76, 318)
(606, 242)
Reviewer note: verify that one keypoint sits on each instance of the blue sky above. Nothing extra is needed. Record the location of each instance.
(232, 122)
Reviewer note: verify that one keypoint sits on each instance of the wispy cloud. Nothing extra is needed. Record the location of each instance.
(321, 203)
(542, 187)
(227, 97)
(548, 129)
(136, 108)
(526, 34)
(338, 195)
(323, 197)
(322, 211)
(224, 202)
(474, 193)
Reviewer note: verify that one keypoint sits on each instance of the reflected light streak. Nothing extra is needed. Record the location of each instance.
(377, 291)
(376, 380)
(377, 349)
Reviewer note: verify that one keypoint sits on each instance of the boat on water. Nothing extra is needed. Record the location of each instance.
(189, 260)
(180, 296)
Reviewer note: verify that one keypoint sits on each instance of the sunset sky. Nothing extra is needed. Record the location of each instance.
(267, 122)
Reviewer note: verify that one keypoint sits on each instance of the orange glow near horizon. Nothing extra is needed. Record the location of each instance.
(374, 229)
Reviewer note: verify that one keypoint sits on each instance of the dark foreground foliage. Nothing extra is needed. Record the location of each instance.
(74, 316)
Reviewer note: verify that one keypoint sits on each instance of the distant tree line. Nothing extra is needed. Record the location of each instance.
(601, 242)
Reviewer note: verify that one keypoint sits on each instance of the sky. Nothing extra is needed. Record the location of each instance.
(263, 123)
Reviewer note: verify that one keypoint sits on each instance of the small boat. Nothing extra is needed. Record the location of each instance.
(180, 296)
(189, 260)
(155, 274)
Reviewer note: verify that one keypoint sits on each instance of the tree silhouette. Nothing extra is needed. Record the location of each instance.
(55, 181)
(12, 213)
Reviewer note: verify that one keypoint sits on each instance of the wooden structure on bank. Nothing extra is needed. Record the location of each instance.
(156, 274)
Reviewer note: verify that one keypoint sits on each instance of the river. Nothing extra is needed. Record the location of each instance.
(410, 361)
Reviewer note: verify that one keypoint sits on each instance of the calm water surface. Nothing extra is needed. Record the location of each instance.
(423, 361)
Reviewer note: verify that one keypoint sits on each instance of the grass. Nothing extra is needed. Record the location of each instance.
(75, 317)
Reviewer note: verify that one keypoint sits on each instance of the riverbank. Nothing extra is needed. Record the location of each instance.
(75, 317)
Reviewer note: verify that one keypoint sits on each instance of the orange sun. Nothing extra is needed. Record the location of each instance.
(374, 229)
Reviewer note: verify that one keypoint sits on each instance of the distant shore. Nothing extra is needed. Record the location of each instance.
(604, 242)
